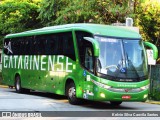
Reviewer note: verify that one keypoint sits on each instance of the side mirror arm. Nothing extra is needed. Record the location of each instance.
(154, 48)
(95, 45)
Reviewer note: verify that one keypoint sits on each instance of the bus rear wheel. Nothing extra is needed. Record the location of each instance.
(71, 94)
(115, 103)
(18, 87)
(18, 84)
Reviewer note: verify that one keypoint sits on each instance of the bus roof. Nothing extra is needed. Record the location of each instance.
(96, 29)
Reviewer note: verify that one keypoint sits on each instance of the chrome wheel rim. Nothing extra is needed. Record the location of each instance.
(71, 92)
(17, 84)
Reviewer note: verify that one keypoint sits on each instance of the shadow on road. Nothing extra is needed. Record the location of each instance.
(105, 106)
(85, 103)
(44, 94)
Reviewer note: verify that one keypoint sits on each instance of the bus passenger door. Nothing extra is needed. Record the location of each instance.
(88, 64)
(85, 50)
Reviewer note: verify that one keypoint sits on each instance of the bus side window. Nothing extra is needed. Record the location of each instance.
(60, 44)
(22, 46)
(52, 44)
(37, 45)
(87, 55)
(41, 45)
(26, 46)
(17, 47)
(69, 46)
(89, 58)
(85, 49)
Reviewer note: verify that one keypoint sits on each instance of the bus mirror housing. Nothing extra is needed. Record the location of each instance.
(154, 48)
(95, 45)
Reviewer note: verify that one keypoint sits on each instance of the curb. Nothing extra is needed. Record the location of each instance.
(153, 102)
(3, 86)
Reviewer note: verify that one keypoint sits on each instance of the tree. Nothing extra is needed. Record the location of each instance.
(148, 20)
(49, 9)
(18, 15)
(97, 11)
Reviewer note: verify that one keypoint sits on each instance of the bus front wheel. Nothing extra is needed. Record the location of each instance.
(71, 94)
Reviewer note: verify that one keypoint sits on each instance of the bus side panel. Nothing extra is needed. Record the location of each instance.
(7, 73)
(52, 82)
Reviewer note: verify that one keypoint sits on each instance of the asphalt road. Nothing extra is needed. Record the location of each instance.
(39, 101)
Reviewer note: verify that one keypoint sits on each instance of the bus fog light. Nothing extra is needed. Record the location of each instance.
(102, 95)
(145, 96)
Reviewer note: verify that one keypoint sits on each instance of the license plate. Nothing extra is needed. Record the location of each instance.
(126, 97)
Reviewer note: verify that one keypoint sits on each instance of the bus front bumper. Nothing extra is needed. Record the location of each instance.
(127, 95)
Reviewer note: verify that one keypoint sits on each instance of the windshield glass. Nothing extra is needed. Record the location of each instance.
(121, 58)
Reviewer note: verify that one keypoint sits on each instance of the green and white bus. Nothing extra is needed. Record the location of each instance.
(81, 61)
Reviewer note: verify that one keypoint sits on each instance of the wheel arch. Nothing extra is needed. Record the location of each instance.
(16, 75)
(71, 91)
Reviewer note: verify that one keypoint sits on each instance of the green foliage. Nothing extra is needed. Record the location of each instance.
(21, 15)
(96, 11)
(145, 13)
(18, 15)
(155, 89)
(49, 9)
(148, 19)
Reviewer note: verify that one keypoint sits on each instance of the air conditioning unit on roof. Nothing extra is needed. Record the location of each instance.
(129, 22)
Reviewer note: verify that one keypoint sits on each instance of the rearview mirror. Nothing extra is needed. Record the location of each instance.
(154, 48)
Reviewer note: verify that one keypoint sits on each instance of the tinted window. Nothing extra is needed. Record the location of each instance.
(68, 49)
(85, 49)
(50, 44)
(39, 43)
(62, 44)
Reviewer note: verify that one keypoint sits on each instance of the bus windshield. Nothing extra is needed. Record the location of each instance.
(121, 58)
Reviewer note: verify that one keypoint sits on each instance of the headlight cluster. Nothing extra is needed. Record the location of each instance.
(131, 90)
(145, 87)
(101, 84)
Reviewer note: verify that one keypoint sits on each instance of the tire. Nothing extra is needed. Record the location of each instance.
(18, 85)
(71, 94)
(115, 103)
(11, 87)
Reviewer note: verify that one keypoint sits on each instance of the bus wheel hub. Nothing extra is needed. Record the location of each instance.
(71, 92)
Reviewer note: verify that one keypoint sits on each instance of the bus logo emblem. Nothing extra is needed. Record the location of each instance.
(126, 90)
(8, 47)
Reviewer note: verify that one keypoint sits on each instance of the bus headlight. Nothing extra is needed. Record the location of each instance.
(101, 84)
(102, 95)
(145, 87)
(145, 96)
